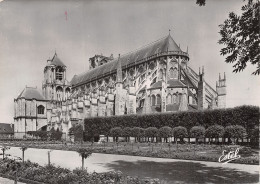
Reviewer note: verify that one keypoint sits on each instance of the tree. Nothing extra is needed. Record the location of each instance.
(55, 135)
(151, 132)
(116, 132)
(84, 153)
(240, 35)
(4, 148)
(165, 132)
(179, 132)
(77, 131)
(137, 132)
(197, 132)
(235, 132)
(23, 148)
(215, 131)
(127, 132)
(201, 2)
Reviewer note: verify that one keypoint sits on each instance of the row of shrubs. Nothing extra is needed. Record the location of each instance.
(57, 175)
(47, 135)
(245, 116)
(214, 131)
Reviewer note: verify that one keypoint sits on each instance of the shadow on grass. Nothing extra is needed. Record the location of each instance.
(183, 172)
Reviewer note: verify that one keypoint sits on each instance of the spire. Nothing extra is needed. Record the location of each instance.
(169, 32)
(202, 69)
(119, 78)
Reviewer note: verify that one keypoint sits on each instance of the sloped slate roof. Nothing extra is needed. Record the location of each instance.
(5, 128)
(56, 61)
(163, 45)
(173, 83)
(156, 85)
(30, 93)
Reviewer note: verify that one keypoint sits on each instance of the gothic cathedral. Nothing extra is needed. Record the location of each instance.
(155, 78)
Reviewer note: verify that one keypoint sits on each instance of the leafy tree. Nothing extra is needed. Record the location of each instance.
(137, 133)
(215, 131)
(151, 132)
(55, 135)
(254, 135)
(197, 132)
(77, 131)
(116, 132)
(235, 132)
(201, 2)
(23, 148)
(84, 153)
(127, 132)
(165, 132)
(4, 148)
(240, 35)
(179, 132)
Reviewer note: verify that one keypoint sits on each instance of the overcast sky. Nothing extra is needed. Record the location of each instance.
(31, 31)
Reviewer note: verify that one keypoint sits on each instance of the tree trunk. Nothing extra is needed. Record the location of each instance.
(49, 159)
(23, 156)
(3, 154)
(82, 163)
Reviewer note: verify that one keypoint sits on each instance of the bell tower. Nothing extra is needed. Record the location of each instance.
(55, 86)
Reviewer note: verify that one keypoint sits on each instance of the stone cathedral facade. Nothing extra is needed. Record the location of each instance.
(155, 78)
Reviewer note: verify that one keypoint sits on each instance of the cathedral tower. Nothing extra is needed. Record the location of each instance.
(55, 86)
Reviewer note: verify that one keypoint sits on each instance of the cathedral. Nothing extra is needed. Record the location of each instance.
(155, 78)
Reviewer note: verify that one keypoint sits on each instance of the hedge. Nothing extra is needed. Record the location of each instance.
(246, 116)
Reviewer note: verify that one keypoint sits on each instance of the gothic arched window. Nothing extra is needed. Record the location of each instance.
(158, 100)
(169, 99)
(175, 73)
(153, 100)
(178, 98)
(59, 92)
(174, 99)
(40, 109)
(171, 71)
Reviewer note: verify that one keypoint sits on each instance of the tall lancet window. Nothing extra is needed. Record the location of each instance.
(59, 73)
(153, 100)
(171, 72)
(169, 99)
(174, 99)
(158, 100)
(59, 94)
(175, 73)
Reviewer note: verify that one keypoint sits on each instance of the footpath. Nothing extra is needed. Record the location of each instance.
(8, 181)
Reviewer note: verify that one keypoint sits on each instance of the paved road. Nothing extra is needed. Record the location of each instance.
(8, 181)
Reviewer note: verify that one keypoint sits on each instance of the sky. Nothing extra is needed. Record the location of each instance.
(31, 32)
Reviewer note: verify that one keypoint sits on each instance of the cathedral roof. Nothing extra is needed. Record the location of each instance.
(56, 61)
(173, 83)
(30, 93)
(165, 44)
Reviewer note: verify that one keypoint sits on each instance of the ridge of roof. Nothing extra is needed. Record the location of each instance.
(159, 46)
